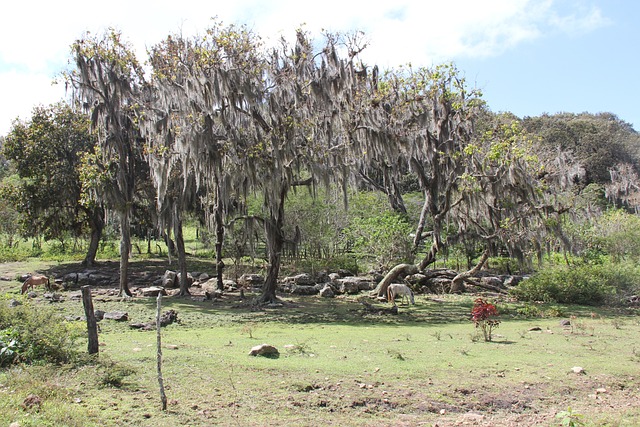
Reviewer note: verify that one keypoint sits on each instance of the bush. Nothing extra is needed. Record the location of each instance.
(35, 335)
(580, 284)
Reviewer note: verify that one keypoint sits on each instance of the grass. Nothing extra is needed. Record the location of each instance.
(338, 366)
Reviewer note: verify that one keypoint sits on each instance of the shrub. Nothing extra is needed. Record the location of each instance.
(35, 335)
(483, 316)
(580, 284)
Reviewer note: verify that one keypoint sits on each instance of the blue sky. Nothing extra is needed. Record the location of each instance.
(528, 56)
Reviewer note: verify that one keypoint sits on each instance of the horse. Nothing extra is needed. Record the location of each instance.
(36, 280)
(396, 289)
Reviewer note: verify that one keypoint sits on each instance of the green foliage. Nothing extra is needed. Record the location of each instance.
(385, 238)
(570, 418)
(586, 284)
(35, 335)
(617, 233)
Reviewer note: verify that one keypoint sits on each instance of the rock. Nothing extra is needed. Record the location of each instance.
(327, 292)
(492, 281)
(265, 350)
(202, 277)
(578, 370)
(303, 279)
(14, 303)
(511, 281)
(535, 329)
(169, 279)
(119, 316)
(99, 314)
(250, 280)
(302, 290)
(73, 318)
(229, 285)
(152, 291)
(32, 401)
(354, 284)
(53, 297)
(565, 322)
(334, 277)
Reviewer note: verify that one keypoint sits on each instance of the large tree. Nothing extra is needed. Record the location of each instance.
(107, 83)
(47, 152)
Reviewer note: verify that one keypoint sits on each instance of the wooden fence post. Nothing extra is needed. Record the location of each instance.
(92, 326)
(163, 396)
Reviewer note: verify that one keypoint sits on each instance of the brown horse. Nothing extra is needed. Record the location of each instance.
(36, 280)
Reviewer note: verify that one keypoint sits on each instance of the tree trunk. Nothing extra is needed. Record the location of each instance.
(219, 240)
(182, 256)
(457, 284)
(275, 242)
(96, 222)
(125, 249)
(399, 270)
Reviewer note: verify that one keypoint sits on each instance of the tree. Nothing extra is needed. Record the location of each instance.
(107, 83)
(47, 151)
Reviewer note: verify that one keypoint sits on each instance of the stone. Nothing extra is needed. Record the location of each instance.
(119, 316)
(265, 350)
(14, 303)
(303, 279)
(353, 284)
(327, 292)
(99, 314)
(152, 291)
(303, 290)
(250, 280)
(169, 279)
(578, 370)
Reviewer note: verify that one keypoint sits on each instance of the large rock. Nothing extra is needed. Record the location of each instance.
(119, 316)
(303, 279)
(492, 281)
(250, 280)
(327, 292)
(152, 291)
(265, 350)
(354, 284)
(302, 290)
(169, 279)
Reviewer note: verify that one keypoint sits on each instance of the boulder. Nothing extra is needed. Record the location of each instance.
(265, 350)
(492, 281)
(302, 290)
(327, 292)
(250, 280)
(118, 316)
(152, 291)
(354, 284)
(303, 279)
(169, 279)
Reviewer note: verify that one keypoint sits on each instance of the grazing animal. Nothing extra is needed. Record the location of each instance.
(396, 289)
(36, 280)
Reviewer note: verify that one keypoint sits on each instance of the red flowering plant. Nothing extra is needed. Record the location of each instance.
(482, 315)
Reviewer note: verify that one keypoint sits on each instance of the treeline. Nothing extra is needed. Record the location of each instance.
(235, 134)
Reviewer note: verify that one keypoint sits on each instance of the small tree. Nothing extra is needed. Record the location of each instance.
(46, 152)
(483, 316)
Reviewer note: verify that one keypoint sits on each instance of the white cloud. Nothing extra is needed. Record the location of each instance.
(37, 34)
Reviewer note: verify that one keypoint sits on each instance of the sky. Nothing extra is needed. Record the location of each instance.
(528, 57)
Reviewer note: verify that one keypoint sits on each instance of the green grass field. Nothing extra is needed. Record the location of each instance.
(338, 365)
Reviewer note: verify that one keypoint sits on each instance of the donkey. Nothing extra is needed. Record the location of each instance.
(36, 280)
(396, 289)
